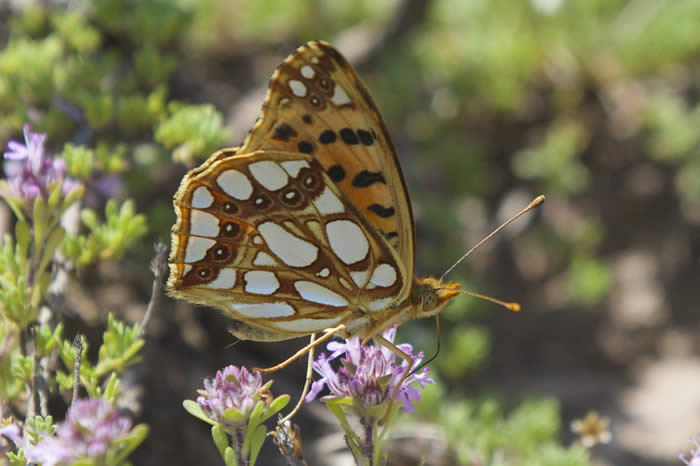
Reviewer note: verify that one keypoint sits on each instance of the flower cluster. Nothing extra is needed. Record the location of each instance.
(231, 388)
(695, 458)
(9, 432)
(30, 172)
(90, 428)
(592, 429)
(368, 375)
(236, 403)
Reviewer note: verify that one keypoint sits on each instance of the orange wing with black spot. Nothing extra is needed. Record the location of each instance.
(316, 104)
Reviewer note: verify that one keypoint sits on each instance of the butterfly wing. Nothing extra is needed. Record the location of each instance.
(271, 240)
(316, 104)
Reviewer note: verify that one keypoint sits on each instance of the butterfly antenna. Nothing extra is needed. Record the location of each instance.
(538, 200)
(515, 307)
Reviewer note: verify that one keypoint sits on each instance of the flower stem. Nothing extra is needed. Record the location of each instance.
(367, 447)
(239, 438)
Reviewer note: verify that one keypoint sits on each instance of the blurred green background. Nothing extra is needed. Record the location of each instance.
(593, 103)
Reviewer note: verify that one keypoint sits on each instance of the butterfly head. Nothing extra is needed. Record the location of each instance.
(430, 295)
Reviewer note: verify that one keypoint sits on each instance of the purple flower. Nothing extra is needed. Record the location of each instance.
(369, 374)
(10, 432)
(89, 429)
(232, 388)
(30, 172)
(695, 458)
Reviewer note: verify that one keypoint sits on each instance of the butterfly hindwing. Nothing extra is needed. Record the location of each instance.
(270, 239)
(317, 105)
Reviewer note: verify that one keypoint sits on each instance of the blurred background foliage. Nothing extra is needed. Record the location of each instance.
(491, 102)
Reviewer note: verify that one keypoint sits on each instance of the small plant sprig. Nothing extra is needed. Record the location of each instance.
(93, 433)
(236, 403)
(362, 389)
(45, 200)
(39, 194)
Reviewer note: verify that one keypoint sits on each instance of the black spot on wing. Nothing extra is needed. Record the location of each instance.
(283, 132)
(366, 178)
(365, 137)
(337, 173)
(307, 119)
(384, 212)
(391, 235)
(327, 137)
(348, 136)
(305, 147)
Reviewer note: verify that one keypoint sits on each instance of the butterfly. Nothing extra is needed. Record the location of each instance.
(306, 227)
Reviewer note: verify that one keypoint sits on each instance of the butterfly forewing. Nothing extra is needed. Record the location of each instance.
(317, 105)
(270, 239)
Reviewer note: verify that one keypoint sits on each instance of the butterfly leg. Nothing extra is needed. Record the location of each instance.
(394, 349)
(307, 383)
(329, 334)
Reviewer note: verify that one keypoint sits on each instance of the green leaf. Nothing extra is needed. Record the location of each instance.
(334, 406)
(89, 218)
(220, 439)
(256, 415)
(256, 442)
(53, 241)
(122, 447)
(275, 406)
(233, 416)
(230, 457)
(111, 390)
(195, 410)
(40, 219)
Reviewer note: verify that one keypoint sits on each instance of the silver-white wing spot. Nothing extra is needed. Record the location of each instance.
(324, 272)
(340, 97)
(307, 72)
(294, 166)
(197, 248)
(235, 184)
(264, 310)
(347, 241)
(202, 198)
(261, 282)
(298, 88)
(269, 174)
(307, 325)
(316, 293)
(379, 304)
(293, 251)
(263, 258)
(203, 224)
(359, 277)
(384, 275)
(328, 203)
(225, 280)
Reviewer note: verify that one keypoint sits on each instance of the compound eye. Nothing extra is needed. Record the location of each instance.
(429, 300)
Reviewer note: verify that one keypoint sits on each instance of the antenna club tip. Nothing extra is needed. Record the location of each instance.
(515, 307)
(537, 201)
